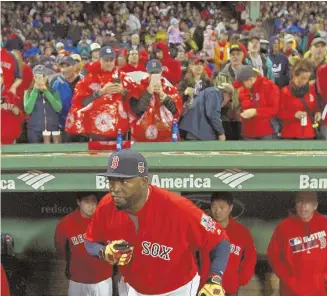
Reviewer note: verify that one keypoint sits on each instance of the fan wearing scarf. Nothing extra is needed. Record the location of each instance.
(299, 108)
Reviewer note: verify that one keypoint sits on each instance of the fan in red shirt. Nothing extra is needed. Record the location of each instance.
(12, 116)
(322, 89)
(154, 112)
(85, 273)
(11, 72)
(299, 110)
(172, 69)
(133, 63)
(100, 98)
(4, 283)
(297, 250)
(259, 99)
(243, 256)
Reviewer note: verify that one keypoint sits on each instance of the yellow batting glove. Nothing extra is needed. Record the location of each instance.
(213, 287)
(117, 252)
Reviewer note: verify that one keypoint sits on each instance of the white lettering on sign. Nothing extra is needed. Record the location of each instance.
(178, 183)
(312, 183)
(101, 182)
(7, 185)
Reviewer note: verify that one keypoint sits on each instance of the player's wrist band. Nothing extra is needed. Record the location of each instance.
(214, 278)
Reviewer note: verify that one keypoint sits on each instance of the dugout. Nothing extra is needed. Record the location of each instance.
(39, 183)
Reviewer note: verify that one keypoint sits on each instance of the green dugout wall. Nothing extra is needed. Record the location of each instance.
(38, 182)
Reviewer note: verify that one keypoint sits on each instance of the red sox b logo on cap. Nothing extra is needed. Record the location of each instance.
(115, 162)
(140, 167)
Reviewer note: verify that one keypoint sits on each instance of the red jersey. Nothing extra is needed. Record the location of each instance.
(297, 253)
(289, 105)
(322, 88)
(4, 283)
(164, 244)
(8, 64)
(241, 261)
(69, 242)
(264, 97)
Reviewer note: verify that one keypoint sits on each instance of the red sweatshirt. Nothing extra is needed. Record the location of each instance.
(127, 68)
(172, 68)
(297, 253)
(242, 258)
(83, 268)
(264, 97)
(289, 105)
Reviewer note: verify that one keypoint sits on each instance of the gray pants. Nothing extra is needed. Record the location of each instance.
(323, 132)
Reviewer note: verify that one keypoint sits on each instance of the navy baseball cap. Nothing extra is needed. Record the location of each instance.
(244, 73)
(107, 51)
(153, 66)
(126, 164)
(67, 60)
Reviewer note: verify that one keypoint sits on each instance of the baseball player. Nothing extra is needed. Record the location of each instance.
(152, 234)
(297, 251)
(87, 276)
(243, 256)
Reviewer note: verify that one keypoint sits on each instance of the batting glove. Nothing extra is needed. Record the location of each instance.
(117, 252)
(213, 287)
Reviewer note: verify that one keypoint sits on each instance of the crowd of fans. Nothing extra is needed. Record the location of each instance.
(85, 71)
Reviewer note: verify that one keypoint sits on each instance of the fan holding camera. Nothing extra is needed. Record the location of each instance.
(43, 106)
(11, 116)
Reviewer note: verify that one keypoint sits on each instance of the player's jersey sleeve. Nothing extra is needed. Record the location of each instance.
(60, 240)
(203, 231)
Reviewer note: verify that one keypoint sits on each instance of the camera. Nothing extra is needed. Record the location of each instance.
(3, 100)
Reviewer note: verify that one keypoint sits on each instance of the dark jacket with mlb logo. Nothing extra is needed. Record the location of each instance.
(297, 253)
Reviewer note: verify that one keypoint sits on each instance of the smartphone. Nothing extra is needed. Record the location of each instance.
(122, 246)
(3, 100)
(117, 80)
(156, 79)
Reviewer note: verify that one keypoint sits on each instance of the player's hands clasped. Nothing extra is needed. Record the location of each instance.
(117, 252)
(212, 288)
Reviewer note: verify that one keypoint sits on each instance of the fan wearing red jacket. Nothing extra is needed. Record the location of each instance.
(259, 98)
(86, 274)
(12, 116)
(322, 89)
(10, 68)
(297, 250)
(133, 63)
(100, 98)
(299, 109)
(154, 112)
(172, 69)
(243, 255)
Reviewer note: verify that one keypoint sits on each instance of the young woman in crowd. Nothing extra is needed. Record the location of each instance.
(43, 106)
(299, 110)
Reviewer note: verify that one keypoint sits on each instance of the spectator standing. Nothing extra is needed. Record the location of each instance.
(155, 110)
(259, 60)
(297, 249)
(133, 62)
(322, 90)
(243, 255)
(43, 106)
(203, 120)
(12, 116)
(221, 55)
(280, 63)
(299, 109)
(65, 84)
(259, 98)
(172, 69)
